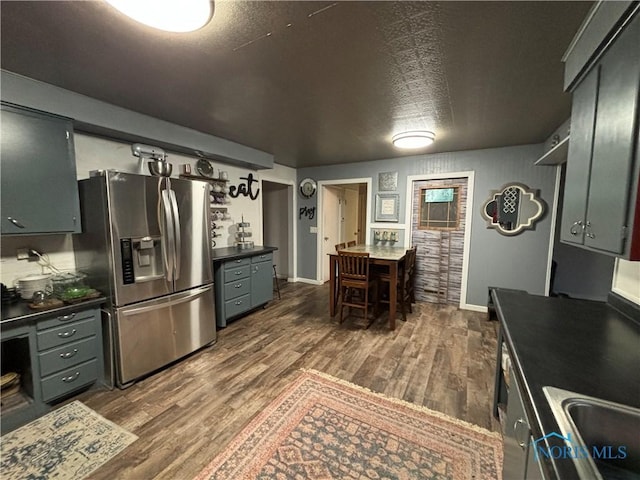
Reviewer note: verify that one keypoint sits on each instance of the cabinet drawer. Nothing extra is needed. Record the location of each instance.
(237, 306)
(67, 356)
(263, 257)
(237, 263)
(66, 333)
(237, 289)
(236, 273)
(65, 319)
(69, 380)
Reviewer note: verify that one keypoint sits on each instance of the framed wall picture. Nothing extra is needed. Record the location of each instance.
(387, 207)
(387, 181)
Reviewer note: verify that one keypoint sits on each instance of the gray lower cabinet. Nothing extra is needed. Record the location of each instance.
(242, 284)
(55, 356)
(601, 186)
(519, 457)
(261, 279)
(39, 186)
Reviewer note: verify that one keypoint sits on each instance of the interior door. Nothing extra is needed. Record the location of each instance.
(330, 226)
(350, 214)
(193, 244)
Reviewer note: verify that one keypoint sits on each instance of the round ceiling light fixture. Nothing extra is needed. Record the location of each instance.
(413, 139)
(170, 15)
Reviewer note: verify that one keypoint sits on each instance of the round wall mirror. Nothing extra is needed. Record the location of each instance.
(512, 209)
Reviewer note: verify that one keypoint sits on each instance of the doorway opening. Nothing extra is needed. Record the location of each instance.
(277, 227)
(343, 216)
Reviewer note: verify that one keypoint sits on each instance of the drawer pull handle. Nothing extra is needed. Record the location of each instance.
(66, 318)
(69, 354)
(239, 302)
(238, 273)
(15, 222)
(238, 261)
(263, 256)
(71, 378)
(575, 227)
(67, 334)
(521, 422)
(238, 285)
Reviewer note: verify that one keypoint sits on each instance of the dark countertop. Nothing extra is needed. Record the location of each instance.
(19, 312)
(233, 253)
(578, 345)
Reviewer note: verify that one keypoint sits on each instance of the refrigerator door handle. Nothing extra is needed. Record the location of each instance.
(169, 249)
(183, 298)
(178, 239)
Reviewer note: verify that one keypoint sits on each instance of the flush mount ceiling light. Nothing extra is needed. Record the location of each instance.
(169, 15)
(413, 139)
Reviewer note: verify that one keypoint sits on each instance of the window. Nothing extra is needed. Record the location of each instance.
(438, 208)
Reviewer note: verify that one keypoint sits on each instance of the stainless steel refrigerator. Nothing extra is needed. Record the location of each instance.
(146, 245)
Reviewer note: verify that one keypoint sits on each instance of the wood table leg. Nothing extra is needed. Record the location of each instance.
(393, 293)
(333, 293)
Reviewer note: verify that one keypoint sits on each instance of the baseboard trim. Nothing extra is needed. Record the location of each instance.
(307, 280)
(474, 308)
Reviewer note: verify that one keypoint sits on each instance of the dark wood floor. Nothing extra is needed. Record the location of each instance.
(441, 357)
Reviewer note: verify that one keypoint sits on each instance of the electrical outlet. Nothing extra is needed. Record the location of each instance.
(22, 254)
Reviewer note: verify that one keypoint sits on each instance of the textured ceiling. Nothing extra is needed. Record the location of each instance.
(315, 83)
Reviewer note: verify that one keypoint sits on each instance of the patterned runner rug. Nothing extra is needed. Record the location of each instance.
(321, 427)
(67, 443)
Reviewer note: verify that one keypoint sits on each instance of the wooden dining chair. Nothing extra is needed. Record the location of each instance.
(405, 289)
(351, 243)
(412, 274)
(356, 284)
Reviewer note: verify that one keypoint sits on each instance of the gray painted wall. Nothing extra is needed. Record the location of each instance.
(494, 260)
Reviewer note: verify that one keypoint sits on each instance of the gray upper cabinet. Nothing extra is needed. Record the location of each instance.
(38, 174)
(602, 166)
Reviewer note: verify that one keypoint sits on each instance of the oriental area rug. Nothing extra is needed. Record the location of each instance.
(67, 443)
(321, 427)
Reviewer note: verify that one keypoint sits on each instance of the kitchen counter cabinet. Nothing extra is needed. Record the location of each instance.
(57, 353)
(582, 346)
(603, 166)
(243, 280)
(38, 179)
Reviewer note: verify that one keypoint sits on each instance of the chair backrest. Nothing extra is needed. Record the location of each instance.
(409, 265)
(353, 265)
(351, 243)
(340, 246)
(411, 259)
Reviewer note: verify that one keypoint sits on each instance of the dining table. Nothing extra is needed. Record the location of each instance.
(383, 255)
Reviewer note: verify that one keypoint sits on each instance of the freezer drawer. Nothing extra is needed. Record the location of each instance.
(152, 334)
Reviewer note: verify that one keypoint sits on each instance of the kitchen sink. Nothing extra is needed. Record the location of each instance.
(603, 438)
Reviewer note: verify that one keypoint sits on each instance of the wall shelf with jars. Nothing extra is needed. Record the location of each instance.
(385, 237)
(219, 188)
